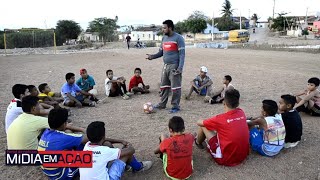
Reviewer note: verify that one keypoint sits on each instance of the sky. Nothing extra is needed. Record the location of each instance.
(45, 14)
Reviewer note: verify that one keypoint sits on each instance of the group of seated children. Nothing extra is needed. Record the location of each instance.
(202, 84)
(116, 86)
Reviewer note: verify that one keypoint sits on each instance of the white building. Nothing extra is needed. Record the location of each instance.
(89, 36)
(209, 28)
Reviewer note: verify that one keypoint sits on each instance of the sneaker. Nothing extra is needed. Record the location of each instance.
(157, 106)
(128, 168)
(92, 104)
(207, 99)
(174, 110)
(103, 100)
(129, 93)
(291, 145)
(146, 165)
(125, 97)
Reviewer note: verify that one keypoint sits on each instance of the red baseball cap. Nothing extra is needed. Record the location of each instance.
(82, 71)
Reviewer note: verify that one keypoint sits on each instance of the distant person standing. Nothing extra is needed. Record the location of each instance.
(173, 51)
(128, 38)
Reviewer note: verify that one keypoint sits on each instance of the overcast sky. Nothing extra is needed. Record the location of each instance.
(45, 14)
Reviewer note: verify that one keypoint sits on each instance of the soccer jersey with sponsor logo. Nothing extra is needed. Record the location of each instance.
(179, 155)
(58, 140)
(134, 82)
(232, 135)
(102, 155)
(13, 111)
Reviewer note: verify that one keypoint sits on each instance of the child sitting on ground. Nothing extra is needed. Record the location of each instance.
(176, 150)
(218, 96)
(135, 81)
(61, 137)
(291, 119)
(44, 108)
(268, 138)
(116, 86)
(73, 95)
(86, 83)
(109, 162)
(310, 103)
(47, 96)
(201, 84)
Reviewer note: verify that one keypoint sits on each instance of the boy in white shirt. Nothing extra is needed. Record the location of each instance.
(109, 162)
(116, 86)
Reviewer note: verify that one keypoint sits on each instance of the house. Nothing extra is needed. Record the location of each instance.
(144, 33)
(89, 37)
(244, 21)
(209, 28)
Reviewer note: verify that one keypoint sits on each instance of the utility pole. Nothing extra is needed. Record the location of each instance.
(274, 4)
(212, 27)
(240, 21)
(306, 21)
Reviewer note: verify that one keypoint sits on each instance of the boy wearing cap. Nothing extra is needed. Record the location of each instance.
(218, 96)
(86, 83)
(201, 84)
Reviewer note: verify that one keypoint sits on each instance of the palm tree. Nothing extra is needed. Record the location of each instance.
(226, 9)
(254, 18)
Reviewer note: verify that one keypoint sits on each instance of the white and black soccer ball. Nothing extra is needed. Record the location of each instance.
(148, 108)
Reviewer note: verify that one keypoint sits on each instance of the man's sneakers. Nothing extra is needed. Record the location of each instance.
(146, 165)
(174, 110)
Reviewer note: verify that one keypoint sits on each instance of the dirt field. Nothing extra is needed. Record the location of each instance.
(257, 75)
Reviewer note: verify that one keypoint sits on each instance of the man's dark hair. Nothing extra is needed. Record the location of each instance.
(96, 131)
(57, 117)
(69, 75)
(28, 102)
(42, 87)
(270, 107)
(176, 123)
(289, 99)
(109, 70)
(314, 81)
(137, 69)
(231, 98)
(169, 23)
(30, 87)
(228, 78)
(19, 89)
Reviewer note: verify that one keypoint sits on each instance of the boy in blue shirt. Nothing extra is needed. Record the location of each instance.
(57, 138)
(73, 95)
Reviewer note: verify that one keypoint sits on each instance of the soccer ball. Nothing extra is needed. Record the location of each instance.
(148, 107)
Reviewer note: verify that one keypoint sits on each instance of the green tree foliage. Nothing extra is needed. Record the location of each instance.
(226, 9)
(180, 27)
(66, 30)
(280, 23)
(254, 18)
(196, 22)
(225, 23)
(106, 28)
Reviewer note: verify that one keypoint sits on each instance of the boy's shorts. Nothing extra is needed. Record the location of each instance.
(256, 140)
(203, 91)
(214, 148)
(116, 169)
(67, 99)
(165, 164)
(315, 110)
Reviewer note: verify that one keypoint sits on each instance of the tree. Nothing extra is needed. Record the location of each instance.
(226, 9)
(196, 22)
(180, 27)
(105, 27)
(225, 23)
(254, 18)
(281, 23)
(66, 30)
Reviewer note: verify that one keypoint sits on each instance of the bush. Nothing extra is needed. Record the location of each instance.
(151, 44)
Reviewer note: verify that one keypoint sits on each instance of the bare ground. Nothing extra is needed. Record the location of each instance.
(257, 74)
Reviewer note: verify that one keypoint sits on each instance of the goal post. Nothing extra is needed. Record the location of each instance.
(30, 39)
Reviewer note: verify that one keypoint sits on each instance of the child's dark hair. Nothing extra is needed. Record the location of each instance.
(270, 107)
(57, 117)
(289, 99)
(19, 89)
(42, 87)
(314, 81)
(228, 78)
(69, 75)
(96, 131)
(231, 98)
(30, 87)
(28, 102)
(109, 70)
(176, 123)
(137, 69)
(169, 23)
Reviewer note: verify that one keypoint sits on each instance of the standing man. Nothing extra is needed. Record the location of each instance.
(128, 38)
(173, 51)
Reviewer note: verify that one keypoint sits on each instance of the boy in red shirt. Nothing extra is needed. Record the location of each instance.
(176, 150)
(135, 81)
(227, 134)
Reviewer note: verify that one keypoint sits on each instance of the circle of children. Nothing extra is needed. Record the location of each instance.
(40, 121)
